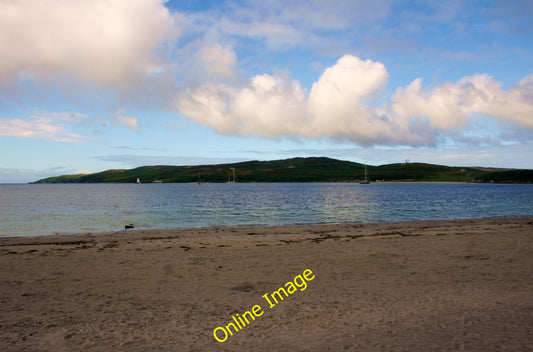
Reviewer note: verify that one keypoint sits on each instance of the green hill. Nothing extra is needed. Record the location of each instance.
(509, 176)
(299, 170)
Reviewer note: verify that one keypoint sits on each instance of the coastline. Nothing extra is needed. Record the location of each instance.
(142, 233)
(423, 285)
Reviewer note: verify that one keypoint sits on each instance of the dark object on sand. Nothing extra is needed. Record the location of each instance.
(130, 226)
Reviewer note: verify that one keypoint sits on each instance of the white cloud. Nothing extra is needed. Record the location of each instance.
(276, 106)
(218, 60)
(269, 106)
(46, 126)
(451, 104)
(339, 106)
(300, 23)
(121, 45)
(337, 102)
(278, 35)
(130, 122)
(107, 42)
(281, 25)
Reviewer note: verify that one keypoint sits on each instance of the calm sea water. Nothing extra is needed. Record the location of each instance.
(32, 210)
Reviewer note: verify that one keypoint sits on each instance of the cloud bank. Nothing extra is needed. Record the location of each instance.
(133, 54)
(450, 105)
(106, 42)
(47, 126)
(340, 106)
(130, 122)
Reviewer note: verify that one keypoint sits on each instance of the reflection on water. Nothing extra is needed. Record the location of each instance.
(76, 208)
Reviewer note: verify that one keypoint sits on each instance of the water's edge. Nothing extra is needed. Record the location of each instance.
(37, 210)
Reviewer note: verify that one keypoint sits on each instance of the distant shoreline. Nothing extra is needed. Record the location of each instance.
(313, 169)
(192, 183)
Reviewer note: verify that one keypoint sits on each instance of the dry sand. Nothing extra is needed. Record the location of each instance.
(462, 285)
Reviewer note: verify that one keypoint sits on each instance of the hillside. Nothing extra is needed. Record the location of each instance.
(298, 170)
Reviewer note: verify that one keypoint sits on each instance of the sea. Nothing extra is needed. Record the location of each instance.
(55, 209)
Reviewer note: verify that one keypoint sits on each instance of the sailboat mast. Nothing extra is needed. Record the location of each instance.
(365, 182)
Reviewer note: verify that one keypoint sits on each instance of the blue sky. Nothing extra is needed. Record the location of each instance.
(87, 86)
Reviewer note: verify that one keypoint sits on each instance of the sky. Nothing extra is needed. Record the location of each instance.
(87, 86)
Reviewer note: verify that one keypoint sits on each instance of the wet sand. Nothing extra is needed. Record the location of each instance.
(463, 285)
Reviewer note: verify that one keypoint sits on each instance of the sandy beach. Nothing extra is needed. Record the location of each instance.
(463, 285)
